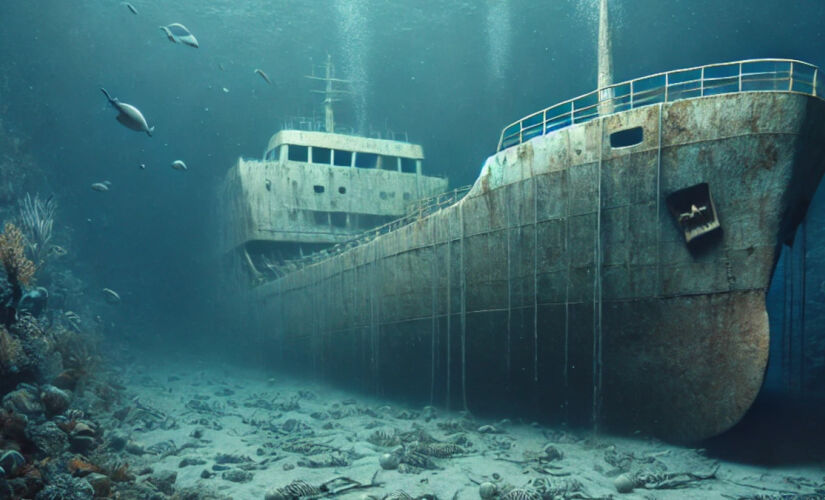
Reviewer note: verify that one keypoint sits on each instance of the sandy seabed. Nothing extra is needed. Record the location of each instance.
(244, 433)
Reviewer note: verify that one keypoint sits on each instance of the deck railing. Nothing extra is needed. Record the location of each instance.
(415, 211)
(753, 75)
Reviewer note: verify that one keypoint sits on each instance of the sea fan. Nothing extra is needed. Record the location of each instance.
(37, 220)
(19, 269)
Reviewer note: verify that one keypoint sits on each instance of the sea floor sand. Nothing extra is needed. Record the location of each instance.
(241, 432)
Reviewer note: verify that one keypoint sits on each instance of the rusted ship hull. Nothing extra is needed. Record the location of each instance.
(563, 284)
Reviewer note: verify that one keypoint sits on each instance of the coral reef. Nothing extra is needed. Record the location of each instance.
(37, 221)
(18, 268)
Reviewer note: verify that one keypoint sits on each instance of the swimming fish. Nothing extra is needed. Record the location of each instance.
(131, 8)
(128, 115)
(100, 186)
(111, 296)
(264, 76)
(143, 166)
(179, 165)
(178, 33)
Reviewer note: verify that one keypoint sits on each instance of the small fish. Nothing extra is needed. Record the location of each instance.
(143, 166)
(111, 296)
(264, 76)
(178, 33)
(131, 8)
(221, 67)
(225, 90)
(179, 165)
(128, 115)
(100, 186)
(57, 250)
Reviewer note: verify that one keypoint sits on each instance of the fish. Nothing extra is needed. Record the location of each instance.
(179, 165)
(225, 90)
(100, 186)
(128, 115)
(131, 8)
(58, 250)
(264, 76)
(178, 33)
(111, 296)
(143, 166)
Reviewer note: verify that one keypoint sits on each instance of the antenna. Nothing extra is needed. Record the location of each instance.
(329, 92)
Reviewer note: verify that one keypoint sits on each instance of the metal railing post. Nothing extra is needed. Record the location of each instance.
(816, 75)
(572, 112)
(521, 131)
(544, 122)
(790, 78)
(702, 83)
(740, 77)
(631, 93)
(667, 85)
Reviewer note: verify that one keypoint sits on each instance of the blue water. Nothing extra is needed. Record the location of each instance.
(449, 74)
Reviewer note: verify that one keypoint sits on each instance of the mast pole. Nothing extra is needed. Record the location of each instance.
(605, 57)
(328, 114)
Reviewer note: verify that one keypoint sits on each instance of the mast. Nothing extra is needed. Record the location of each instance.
(329, 93)
(605, 57)
(329, 117)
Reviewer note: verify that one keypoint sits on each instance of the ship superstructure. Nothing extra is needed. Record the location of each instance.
(315, 188)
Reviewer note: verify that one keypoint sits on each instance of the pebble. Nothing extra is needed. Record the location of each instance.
(186, 462)
(388, 461)
(487, 490)
(55, 401)
(23, 400)
(100, 483)
(117, 441)
(237, 476)
(624, 483)
(135, 448)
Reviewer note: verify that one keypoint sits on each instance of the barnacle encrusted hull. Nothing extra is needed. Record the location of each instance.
(581, 277)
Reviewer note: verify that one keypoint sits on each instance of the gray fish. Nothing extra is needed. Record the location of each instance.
(128, 115)
(131, 8)
(178, 33)
(143, 166)
(264, 76)
(100, 186)
(179, 165)
(111, 296)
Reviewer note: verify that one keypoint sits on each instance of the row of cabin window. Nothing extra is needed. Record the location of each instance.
(340, 158)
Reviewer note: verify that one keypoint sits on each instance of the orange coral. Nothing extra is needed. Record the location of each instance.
(12, 252)
(79, 467)
(10, 350)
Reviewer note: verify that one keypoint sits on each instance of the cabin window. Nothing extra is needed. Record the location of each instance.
(342, 190)
(626, 138)
(318, 188)
(383, 195)
(274, 154)
(298, 153)
(338, 219)
(408, 165)
(389, 163)
(407, 196)
(366, 160)
(321, 218)
(343, 158)
(321, 155)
